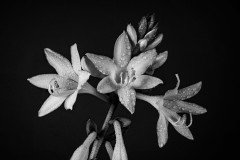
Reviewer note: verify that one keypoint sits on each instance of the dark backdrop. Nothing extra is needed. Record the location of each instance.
(198, 35)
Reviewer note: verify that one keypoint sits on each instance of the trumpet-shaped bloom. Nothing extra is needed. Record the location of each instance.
(65, 85)
(119, 152)
(81, 153)
(123, 73)
(170, 105)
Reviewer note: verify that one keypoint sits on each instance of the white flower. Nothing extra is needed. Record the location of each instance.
(81, 153)
(63, 86)
(119, 152)
(125, 75)
(170, 105)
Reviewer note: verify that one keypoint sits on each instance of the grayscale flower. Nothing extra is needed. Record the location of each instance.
(170, 105)
(125, 75)
(119, 152)
(82, 152)
(63, 86)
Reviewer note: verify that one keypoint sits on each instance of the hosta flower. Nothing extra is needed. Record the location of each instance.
(82, 152)
(63, 86)
(170, 105)
(123, 74)
(119, 152)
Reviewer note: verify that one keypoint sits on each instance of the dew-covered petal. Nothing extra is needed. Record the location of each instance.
(71, 100)
(185, 93)
(109, 149)
(83, 77)
(162, 130)
(127, 96)
(155, 42)
(104, 64)
(42, 81)
(50, 105)
(132, 33)
(106, 85)
(141, 62)
(184, 107)
(146, 82)
(61, 64)
(122, 50)
(75, 58)
(88, 66)
(81, 153)
(189, 91)
(119, 152)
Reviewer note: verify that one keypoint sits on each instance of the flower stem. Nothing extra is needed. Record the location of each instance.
(97, 143)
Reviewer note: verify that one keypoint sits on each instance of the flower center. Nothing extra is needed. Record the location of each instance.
(125, 77)
(62, 86)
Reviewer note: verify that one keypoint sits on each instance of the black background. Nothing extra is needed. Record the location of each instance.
(199, 36)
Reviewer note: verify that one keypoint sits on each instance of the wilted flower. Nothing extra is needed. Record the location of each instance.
(82, 152)
(170, 105)
(63, 86)
(119, 152)
(123, 74)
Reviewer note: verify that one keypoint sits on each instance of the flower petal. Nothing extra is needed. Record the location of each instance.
(81, 153)
(61, 64)
(42, 81)
(141, 62)
(50, 105)
(122, 50)
(132, 33)
(75, 58)
(83, 77)
(162, 130)
(106, 85)
(88, 66)
(127, 96)
(184, 107)
(185, 93)
(119, 152)
(146, 82)
(71, 100)
(104, 64)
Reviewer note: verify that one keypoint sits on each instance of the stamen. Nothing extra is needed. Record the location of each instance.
(191, 120)
(176, 123)
(121, 78)
(178, 82)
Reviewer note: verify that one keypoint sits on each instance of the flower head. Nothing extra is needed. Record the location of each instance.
(63, 86)
(124, 74)
(170, 105)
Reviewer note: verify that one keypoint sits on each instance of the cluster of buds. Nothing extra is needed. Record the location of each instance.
(132, 67)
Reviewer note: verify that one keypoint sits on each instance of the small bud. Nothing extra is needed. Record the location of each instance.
(91, 127)
(132, 33)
